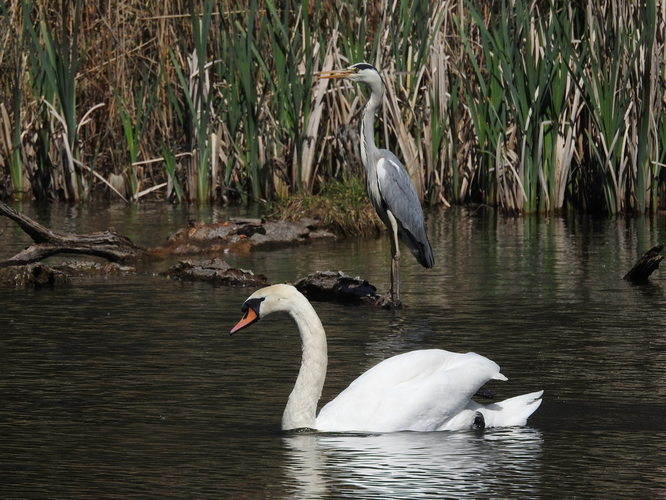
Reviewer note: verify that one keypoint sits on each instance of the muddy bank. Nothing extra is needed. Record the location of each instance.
(236, 235)
(201, 243)
(241, 235)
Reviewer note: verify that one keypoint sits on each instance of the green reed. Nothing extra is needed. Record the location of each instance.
(54, 65)
(647, 172)
(193, 75)
(293, 69)
(235, 69)
(10, 114)
(134, 119)
(608, 100)
(201, 109)
(170, 166)
(486, 104)
(14, 143)
(529, 106)
(517, 103)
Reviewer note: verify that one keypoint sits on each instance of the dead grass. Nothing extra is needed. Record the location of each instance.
(343, 206)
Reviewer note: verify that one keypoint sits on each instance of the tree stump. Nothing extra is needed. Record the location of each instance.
(645, 266)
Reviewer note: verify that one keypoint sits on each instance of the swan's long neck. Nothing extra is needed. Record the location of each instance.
(301, 408)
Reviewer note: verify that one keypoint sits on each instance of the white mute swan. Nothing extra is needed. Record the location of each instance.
(425, 390)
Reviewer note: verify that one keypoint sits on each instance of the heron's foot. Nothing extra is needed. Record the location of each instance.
(387, 302)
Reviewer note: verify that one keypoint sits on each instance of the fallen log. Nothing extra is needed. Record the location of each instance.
(646, 265)
(105, 244)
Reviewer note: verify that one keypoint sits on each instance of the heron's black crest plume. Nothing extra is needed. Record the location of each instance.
(363, 65)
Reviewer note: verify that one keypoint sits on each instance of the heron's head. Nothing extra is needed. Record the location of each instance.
(265, 301)
(359, 72)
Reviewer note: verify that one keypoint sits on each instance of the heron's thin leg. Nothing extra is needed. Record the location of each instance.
(395, 259)
(395, 271)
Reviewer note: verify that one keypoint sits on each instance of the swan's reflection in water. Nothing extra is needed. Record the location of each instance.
(495, 463)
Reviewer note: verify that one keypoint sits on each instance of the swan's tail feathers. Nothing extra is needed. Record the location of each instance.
(512, 411)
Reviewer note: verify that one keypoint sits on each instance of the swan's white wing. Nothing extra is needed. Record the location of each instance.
(417, 390)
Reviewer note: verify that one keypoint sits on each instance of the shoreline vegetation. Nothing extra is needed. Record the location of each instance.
(527, 106)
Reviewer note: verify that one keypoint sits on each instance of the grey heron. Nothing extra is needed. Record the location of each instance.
(389, 187)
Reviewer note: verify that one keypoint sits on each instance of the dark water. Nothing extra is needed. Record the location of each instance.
(131, 387)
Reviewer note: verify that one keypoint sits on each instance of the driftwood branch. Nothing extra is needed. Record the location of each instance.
(646, 265)
(106, 244)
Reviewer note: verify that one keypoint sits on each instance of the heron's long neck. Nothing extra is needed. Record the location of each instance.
(368, 147)
(301, 408)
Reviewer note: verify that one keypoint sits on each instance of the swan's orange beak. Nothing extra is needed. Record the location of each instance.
(248, 318)
(336, 73)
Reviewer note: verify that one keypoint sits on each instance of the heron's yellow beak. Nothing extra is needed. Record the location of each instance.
(336, 73)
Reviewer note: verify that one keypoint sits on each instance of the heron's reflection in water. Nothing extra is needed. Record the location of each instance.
(495, 463)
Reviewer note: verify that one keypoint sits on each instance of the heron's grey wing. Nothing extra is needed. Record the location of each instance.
(399, 196)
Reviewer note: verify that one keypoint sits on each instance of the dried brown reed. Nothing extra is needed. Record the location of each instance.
(526, 105)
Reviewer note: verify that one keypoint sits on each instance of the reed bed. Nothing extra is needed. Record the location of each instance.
(529, 106)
